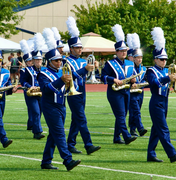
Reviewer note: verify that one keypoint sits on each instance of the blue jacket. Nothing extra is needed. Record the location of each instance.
(115, 68)
(5, 81)
(78, 71)
(158, 81)
(52, 86)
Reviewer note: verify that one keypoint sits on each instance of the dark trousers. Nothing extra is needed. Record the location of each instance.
(159, 131)
(79, 122)
(120, 104)
(135, 121)
(55, 117)
(34, 103)
(3, 137)
(29, 121)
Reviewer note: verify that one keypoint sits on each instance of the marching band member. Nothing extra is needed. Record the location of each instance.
(114, 71)
(159, 79)
(76, 103)
(52, 83)
(30, 81)
(4, 81)
(27, 57)
(59, 43)
(136, 99)
(130, 45)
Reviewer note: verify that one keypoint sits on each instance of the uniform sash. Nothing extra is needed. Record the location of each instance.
(163, 89)
(119, 71)
(52, 76)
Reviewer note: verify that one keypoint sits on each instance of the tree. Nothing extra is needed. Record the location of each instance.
(140, 18)
(8, 18)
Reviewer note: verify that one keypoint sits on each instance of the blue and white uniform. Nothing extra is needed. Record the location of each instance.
(136, 100)
(4, 81)
(77, 103)
(29, 122)
(158, 81)
(119, 100)
(34, 102)
(54, 110)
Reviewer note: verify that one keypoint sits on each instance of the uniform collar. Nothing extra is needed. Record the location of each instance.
(74, 57)
(51, 68)
(36, 69)
(120, 61)
(159, 68)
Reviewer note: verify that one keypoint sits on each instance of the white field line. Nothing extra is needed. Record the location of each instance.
(95, 167)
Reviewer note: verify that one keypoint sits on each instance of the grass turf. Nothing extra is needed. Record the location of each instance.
(111, 156)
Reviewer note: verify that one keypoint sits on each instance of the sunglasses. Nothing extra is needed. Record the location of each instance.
(163, 59)
(57, 60)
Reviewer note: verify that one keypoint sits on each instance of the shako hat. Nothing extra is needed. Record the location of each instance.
(120, 37)
(74, 41)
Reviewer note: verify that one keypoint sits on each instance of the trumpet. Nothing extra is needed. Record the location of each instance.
(34, 92)
(67, 70)
(172, 70)
(91, 75)
(115, 87)
(138, 86)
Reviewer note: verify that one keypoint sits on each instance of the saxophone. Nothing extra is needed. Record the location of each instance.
(34, 92)
(172, 70)
(2, 89)
(115, 87)
(138, 87)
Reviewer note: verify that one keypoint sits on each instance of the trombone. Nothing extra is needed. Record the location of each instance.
(72, 91)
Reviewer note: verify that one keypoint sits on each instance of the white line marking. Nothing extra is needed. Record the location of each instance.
(95, 167)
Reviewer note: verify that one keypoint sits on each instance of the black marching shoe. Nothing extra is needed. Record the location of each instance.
(72, 164)
(74, 150)
(48, 166)
(173, 159)
(133, 133)
(39, 135)
(154, 159)
(142, 132)
(130, 139)
(119, 142)
(7, 143)
(92, 149)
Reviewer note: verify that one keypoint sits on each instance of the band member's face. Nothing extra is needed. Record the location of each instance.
(76, 51)
(160, 62)
(131, 58)
(57, 63)
(29, 63)
(121, 54)
(138, 60)
(60, 49)
(37, 63)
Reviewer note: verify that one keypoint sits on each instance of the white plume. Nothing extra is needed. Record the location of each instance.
(24, 46)
(38, 42)
(57, 36)
(118, 33)
(49, 38)
(136, 41)
(158, 37)
(72, 28)
(129, 41)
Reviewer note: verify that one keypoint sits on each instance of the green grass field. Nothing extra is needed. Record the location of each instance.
(22, 159)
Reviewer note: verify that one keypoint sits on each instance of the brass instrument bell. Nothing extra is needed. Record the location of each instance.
(67, 70)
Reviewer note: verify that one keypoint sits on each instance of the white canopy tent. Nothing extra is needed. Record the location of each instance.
(95, 43)
(7, 46)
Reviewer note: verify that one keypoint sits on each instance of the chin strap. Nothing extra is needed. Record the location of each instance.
(53, 66)
(77, 56)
